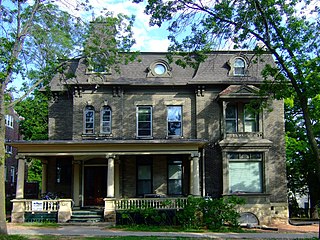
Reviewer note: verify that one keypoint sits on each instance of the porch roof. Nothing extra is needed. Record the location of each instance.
(107, 147)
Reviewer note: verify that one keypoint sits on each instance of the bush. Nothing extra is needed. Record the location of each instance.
(210, 213)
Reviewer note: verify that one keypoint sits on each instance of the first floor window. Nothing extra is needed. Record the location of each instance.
(245, 172)
(5, 173)
(106, 115)
(12, 174)
(63, 170)
(144, 121)
(89, 119)
(144, 177)
(175, 177)
(174, 120)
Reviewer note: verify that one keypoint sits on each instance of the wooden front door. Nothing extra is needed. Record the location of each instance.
(95, 185)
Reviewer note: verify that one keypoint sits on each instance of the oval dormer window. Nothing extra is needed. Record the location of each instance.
(160, 69)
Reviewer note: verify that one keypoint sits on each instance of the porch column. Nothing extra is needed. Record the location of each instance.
(116, 178)
(195, 175)
(20, 178)
(44, 176)
(110, 180)
(76, 183)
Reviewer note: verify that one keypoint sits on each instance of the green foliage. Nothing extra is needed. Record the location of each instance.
(210, 213)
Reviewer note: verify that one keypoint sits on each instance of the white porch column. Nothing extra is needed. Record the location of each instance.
(110, 180)
(20, 178)
(76, 182)
(44, 176)
(195, 175)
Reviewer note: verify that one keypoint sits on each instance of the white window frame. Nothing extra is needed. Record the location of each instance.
(241, 69)
(244, 170)
(86, 121)
(139, 122)
(9, 121)
(8, 149)
(106, 123)
(174, 121)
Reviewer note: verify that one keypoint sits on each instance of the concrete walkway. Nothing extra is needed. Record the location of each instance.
(90, 231)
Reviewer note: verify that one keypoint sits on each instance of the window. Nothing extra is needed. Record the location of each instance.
(12, 174)
(89, 120)
(239, 67)
(231, 118)
(144, 177)
(97, 64)
(159, 68)
(250, 120)
(106, 116)
(8, 149)
(63, 170)
(239, 118)
(9, 121)
(245, 172)
(175, 177)
(174, 120)
(144, 121)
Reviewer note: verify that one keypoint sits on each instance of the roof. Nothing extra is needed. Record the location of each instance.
(214, 70)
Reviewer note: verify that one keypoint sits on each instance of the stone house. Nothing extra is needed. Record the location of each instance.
(158, 130)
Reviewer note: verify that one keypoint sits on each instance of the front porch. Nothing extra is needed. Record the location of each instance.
(111, 175)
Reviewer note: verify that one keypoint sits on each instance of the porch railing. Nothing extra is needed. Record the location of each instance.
(156, 203)
(41, 205)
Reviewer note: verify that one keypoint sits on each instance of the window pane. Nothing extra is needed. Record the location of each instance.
(245, 177)
(174, 120)
(144, 187)
(174, 113)
(250, 126)
(231, 111)
(231, 126)
(175, 171)
(175, 187)
(144, 172)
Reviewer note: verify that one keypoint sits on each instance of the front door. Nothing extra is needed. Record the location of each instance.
(95, 185)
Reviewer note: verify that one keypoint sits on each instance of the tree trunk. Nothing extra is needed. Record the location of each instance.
(3, 224)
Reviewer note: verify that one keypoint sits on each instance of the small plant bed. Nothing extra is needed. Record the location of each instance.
(199, 214)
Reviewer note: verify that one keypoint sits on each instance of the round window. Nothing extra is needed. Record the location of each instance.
(160, 69)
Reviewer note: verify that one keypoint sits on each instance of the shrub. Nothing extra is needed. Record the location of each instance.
(210, 213)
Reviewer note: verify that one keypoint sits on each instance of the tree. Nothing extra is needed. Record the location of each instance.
(289, 30)
(37, 40)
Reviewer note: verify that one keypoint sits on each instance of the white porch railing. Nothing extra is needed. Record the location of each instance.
(156, 203)
(43, 205)
(62, 207)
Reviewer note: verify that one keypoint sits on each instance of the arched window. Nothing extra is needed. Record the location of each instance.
(239, 67)
(106, 117)
(89, 120)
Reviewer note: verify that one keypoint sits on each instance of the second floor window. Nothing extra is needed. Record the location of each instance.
(174, 120)
(89, 120)
(144, 121)
(9, 121)
(8, 149)
(106, 116)
(240, 119)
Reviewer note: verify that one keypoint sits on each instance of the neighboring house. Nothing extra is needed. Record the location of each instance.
(11, 164)
(158, 130)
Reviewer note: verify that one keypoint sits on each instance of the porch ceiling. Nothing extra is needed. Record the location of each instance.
(107, 147)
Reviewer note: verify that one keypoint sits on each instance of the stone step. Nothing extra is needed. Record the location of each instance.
(86, 216)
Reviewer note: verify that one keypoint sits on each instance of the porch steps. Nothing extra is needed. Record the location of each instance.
(87, 216)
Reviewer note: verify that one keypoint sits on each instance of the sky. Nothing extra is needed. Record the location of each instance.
(148, 39)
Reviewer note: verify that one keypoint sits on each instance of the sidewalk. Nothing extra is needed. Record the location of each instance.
(90, 231)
